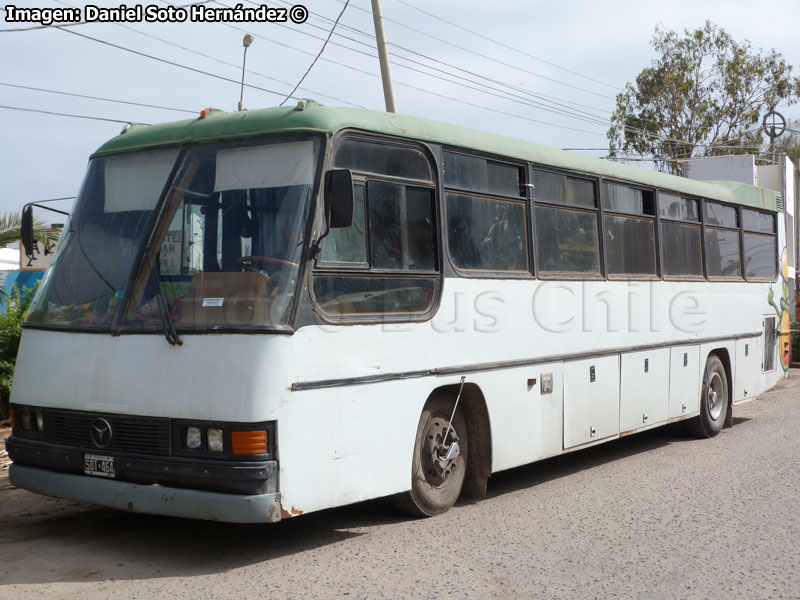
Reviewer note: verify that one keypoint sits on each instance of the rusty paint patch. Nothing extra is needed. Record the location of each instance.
(292, 512)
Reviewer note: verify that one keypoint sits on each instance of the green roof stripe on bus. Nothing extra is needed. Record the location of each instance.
(317, 118)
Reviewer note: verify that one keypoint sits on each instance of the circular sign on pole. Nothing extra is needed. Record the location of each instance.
(774, 124)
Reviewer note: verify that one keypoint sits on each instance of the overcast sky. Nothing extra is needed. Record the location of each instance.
(596, 46)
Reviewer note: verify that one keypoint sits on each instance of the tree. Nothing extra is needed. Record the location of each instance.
(18, 303)
(789, 142)
(705, 95)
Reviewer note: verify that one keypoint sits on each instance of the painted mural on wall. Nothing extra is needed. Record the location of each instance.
(784, 316)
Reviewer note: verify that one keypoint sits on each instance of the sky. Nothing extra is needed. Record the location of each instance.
(577, 53)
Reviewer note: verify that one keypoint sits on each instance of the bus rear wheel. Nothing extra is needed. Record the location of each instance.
(439, 463)
(713, 401)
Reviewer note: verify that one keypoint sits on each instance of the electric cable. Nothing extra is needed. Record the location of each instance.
(316, 58)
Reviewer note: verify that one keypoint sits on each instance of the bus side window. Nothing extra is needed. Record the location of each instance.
(385, 262)
(682, 250)
(629, 236)
(487, 215)
(723, 252)
(348, 245)
(760, 244)
(567, 231)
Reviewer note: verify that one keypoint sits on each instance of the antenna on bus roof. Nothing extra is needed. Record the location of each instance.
(246, 41)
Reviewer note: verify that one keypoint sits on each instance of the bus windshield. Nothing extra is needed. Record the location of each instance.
(210, 237)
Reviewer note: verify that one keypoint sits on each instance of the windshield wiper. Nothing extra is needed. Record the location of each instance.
(170, 333)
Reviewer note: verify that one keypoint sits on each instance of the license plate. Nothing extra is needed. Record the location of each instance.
(100, 466)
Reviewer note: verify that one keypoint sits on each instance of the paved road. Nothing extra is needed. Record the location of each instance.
(657, 515)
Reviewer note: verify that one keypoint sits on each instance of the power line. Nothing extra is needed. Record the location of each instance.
(416, 88)
(35, 89)
(316, 58)
(589, 118)
(58, 114)
(523, 53)
(169, 62)
(517, 67)
(215, 59)
(439, 39)
(557, 108)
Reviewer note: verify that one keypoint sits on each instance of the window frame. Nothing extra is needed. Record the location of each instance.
(773, 235)
(597, 210)
(699, 223)
(523, 198)
(737, 208)
(602, 198)
(329, 268)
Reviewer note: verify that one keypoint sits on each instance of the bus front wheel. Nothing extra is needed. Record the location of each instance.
(439, 463)
(713, 400)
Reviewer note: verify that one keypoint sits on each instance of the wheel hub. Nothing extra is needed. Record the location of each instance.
(438, 454)
(715, 398)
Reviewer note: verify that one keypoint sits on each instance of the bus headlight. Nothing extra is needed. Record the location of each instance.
(25, 419)
(194, 437)
(39, 420)
(215, 440)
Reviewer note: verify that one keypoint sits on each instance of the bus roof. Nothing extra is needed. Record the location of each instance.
(313, 117)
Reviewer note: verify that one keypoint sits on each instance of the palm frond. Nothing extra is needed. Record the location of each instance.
(11, 223)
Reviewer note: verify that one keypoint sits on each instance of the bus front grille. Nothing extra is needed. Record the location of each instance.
(144, 435)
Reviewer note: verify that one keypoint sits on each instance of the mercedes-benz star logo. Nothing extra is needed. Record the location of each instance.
(101, 433)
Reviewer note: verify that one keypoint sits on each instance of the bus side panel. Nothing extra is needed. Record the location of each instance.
(685, 373)
(644, 395)
(748, 369)
(525, 418)
(346, 444)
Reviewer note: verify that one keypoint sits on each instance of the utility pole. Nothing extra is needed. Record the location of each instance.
(386, 72)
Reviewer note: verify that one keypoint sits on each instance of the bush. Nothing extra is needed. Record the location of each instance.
(796, 342)
(18, 303)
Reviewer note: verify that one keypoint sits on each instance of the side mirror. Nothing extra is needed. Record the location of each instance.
(339, 198)
(26, 230)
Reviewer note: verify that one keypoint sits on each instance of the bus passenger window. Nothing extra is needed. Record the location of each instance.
(400, 227)
(348, 245)
(487, 234)
(760, 244)
(567, 233)
(385, 263)
(629, 235)
(682, 250)
(723, 253)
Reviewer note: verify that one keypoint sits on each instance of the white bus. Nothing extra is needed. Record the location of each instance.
(256, 315)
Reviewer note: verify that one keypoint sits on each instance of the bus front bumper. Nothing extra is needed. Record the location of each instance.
(151, 499)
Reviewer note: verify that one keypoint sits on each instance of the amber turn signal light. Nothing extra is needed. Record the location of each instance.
(249, 442)
(11, 417)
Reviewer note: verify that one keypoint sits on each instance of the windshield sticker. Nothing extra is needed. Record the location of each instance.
(212, 302)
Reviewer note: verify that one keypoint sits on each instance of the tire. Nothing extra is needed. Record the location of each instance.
(713, 401)
(434, 489)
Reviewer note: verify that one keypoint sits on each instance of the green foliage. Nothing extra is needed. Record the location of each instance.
(789, 142)
(11, 223)
(796, 342)
(705, 95)
(19, 302)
